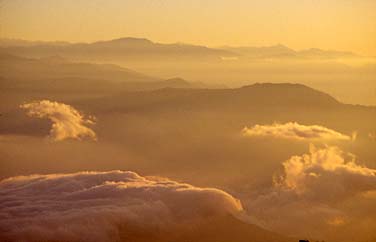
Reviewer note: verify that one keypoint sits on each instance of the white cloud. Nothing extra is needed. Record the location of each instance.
(293, 130)
(92, 206)
(326, 174)
(318, 194)
(67, 122)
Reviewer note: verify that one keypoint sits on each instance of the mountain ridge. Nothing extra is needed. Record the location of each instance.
(134, 45)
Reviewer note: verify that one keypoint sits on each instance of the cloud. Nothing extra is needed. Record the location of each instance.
(93, 206)
(319, 193)
(293, 130)
(67, 122)
(325, 174)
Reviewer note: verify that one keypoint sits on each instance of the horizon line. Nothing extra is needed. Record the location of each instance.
(182, 43)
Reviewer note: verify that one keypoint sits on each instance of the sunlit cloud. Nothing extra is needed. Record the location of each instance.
(67, 122)
(326, 174)
(93, 206)
(321, 189)
(293, 130)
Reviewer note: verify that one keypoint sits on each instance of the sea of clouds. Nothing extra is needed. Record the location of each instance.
(93, 206)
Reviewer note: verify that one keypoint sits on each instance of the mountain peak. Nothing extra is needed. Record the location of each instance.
(326, 53)
(289, 92)
(125, 41)
(131, 40)
(280, 46)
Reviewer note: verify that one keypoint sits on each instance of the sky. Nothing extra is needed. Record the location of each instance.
(328, 24)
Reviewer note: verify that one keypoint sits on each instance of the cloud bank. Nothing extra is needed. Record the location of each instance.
(67, 122)
(293, 130)
(319, 193)
(93, 206)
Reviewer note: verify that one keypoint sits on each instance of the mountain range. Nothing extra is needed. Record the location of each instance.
(124, 49)
(281, 51)
(57, 74)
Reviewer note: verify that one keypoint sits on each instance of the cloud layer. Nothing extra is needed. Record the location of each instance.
(293, 130)
(67, 122)
(319, 193)
(92, 206)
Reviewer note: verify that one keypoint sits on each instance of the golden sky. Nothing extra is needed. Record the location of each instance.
(328, 24)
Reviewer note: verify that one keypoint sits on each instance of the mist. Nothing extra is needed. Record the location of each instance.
(205, 122)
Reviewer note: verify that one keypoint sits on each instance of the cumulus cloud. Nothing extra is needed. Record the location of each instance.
(326, 174)
(67, 122)
(293, 130)
(314, 194)
(93, 206)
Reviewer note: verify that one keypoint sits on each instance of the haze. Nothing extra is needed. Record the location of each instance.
(202, 121)
(343, 25)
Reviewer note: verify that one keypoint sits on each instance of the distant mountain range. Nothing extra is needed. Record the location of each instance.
(17, 67)
(21, 42)
(281, 51)
(143, 49)
(57, 74)
(123, 49)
